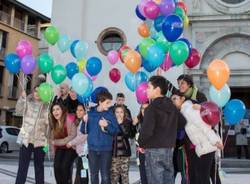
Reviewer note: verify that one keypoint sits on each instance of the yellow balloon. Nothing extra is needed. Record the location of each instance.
(186, 21)
(157, 1)
(81, 65)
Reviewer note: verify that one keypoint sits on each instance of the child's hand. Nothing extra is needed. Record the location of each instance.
(85, 118)
(103, 123)
(68, 145)
(23, 94)
(196, 106)
(219, 145)
(135, 121)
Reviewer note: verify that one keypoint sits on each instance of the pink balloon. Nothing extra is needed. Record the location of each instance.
(24, 47)
(142, 5)
(115, 75)
(194, 59)
(167, 63)
(93, 78)
(141, 93)
(28, 64)
(151, 10)
(113, 57)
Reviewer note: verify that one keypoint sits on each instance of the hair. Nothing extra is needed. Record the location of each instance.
(104, 95)
(140, 116)
(123, 109)
(186, 78)
(161, 82)
(120, 95)
(79, 120)
(57, 128)
(178, 93)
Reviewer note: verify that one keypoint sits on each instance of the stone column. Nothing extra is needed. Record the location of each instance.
(12, 16)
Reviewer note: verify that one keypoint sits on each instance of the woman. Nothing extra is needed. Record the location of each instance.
(121, 147)
(80, 143)
(140, 151)
(33, 135)
(63, 131)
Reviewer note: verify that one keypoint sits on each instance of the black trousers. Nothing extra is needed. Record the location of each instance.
(24, 161)
(64, 159)
(79, 167)
(239, 151)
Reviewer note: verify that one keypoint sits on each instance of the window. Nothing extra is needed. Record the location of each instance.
(13, 85)
(233, 1)
(3, 42)
(110, 39)
(1, 79)
(12, 131)
(29, 83)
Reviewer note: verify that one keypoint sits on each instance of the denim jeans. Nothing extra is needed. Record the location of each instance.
(100, 161)
(159, 165)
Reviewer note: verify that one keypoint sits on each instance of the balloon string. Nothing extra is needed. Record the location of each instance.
(227, 136)
(22, 84)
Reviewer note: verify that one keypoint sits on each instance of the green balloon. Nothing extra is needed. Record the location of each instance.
(179, 52)
(144, 45)
(163, 43)
(45, 63)
(180, 12)
(45, 92)
(58, 74)
(51, 34)
(46, 149)
(124, 53)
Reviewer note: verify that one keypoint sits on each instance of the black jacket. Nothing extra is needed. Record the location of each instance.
(121, 146)
(160, 124)
(70, 104)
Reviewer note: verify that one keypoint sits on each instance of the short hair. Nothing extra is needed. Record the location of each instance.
(120, 95)
(187, 78)
(161, 82)
(178, 93)
(104, 95)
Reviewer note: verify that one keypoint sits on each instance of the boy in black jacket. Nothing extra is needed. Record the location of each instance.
(158, 132)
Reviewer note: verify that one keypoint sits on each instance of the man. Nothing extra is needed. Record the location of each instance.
(158, 132)
(67, 97)
(120, 100)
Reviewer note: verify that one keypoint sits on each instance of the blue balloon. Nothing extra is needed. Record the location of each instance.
(89, 91)
(220, 97)
(140, 78)
(80, 49)
(234, 111)
(132, 81)
(148, 66)
(138, 13)
(153, 33)
(172, 27)
(188, 44)
(94, 66)
(12, 63)
(158, 22)
(72, 47)
(82, 99)
(63, 43)
(95, 92)
(80, 83)
(71, 69)
(155, 56)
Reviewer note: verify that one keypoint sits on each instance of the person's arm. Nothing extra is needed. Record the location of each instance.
(112, 127)
(181, 120)
(21, 103)
(78, 140)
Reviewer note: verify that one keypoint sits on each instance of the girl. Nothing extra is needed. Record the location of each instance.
(80, 142)
(202, 136)
(63, 131)
(140, 151)
(121, 147)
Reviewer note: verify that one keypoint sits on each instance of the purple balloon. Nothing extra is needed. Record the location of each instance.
(141, 93)
(167, 7)
(28, 64)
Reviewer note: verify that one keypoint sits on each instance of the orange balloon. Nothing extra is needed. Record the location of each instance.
(132, 61)
(218, 73)
(143, 30)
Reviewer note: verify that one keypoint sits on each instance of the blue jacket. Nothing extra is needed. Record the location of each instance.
(97, 139)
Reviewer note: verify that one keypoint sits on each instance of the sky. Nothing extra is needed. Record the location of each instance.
(42, 6)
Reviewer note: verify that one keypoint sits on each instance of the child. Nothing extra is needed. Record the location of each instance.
(101, 126)
(80, 143)
(121, 147)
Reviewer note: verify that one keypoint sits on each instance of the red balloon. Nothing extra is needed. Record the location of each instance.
(123, 48)
(183, 6)
(194, 58)
(210, 113)
(115, 75)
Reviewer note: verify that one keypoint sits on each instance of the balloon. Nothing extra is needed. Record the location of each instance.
(71, 69)
(115, 75)
(96, 92)
(172, 27)
(80, 83)
(162, 43)
(80, 49)
(155, 55)
(93, 78)
(89, 91)
(179, 52)
(45, 92)
(180, 12)
(72, 47)
(144, 45)
(141, 6)
(193, 59)
(141, 93)
(63, 43)
(210, 113)
(138, 13)
(82, 99)
(158, 23)
(133, 80)
(81, 65)
(121, 50)
(186, 21)
(28, 64)
(113, 57)
(94, 66)
(167, 63)
(183, 6)
(12, 63)
(133, 61)
(167, 7)
(151, 10)
(51, 34)
(148, 66)
(58, 74)
(140, 78)
(218, 73)
(24, 47)
(234, 111)
(220, 97)
(153, 33)
(143, 30)
(157, 1)
(45, 63)
(188, 44)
